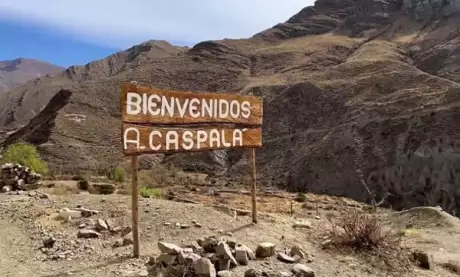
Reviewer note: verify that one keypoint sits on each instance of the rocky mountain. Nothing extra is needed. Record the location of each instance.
(19, 105)
(21, 70)
(354, 91)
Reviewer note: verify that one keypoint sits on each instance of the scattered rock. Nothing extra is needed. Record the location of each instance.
(302, 225)
(101, 225)
(286, 258)
(209, 244)
(87, 234)
(186, 256)
(168, 248)
(125, 230)
(185, 226)
(223, 264)
(241, 254)
(223, 251)
(297, 251)
(265, 249)
(167, 259)
(224, 273)
(86, 212)
(252, 273)
(66, 213)
(49, 242)
(302, 270)
(204, 267)
(127, 240)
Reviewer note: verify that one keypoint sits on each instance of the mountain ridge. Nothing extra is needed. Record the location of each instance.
(20, 70)
(347, 85)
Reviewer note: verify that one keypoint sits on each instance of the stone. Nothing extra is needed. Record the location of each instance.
(101, 225)
(66, 213)
(209, 244)
(232, 243)
(143, 273)
(194, 245)
(49, 242)
(286, 258)
(87, 213)
(424, 259)
(223, 251)
(127, 240)
(87, 234)
(302, 225)
(186, 256)
(117, 229)
(117, 243)
(270, 273)
(297, 250)
(168, 248)
(110, 224)
(252, 273)
(265, 249)
(285, 274)
(224, 273)
(125, 230)
(185, 226)
(204, 267)
(167, 259)
(302, 270)
(241, 254)
(223, 264)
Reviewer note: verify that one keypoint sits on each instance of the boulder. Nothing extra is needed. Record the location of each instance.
(223, 251)
(265, 249)
(302, 270)
(168, 248)
(88, 233)
(204, 267)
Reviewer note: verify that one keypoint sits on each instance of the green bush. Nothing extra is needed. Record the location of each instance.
(117, 174)
(27, 155)
(150, 192)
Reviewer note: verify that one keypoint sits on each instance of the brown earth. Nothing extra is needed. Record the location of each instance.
(28, 219)
(347, 85)
(18, 71)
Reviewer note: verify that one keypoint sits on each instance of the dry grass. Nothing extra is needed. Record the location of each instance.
(63, 188)
(367, 234)
(452, 266)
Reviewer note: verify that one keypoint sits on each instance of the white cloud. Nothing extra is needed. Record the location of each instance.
(122, 23)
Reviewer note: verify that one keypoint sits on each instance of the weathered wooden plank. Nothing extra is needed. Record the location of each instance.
(141, 104)
(138, 139)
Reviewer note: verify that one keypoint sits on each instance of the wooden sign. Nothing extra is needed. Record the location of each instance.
(138, 139)
(179, 113)
(156, 106)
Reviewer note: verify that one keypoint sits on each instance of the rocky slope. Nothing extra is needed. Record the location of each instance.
(21, 70)
(347, 85)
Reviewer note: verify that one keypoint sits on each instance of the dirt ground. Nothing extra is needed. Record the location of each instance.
(26, 220)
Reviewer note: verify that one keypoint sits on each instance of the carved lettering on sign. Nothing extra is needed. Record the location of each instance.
(138, 139)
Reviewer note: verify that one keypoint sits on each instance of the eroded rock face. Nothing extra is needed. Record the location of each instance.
(426, 9)
(336, 72)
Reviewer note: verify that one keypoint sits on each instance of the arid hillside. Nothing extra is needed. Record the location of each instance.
(347, 85)
(21, 70)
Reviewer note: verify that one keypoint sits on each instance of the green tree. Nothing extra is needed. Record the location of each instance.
(27, 155)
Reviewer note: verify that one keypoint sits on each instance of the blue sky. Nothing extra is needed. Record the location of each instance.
(76, 32)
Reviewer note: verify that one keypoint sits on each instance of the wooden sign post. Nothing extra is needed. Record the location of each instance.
(164, 121)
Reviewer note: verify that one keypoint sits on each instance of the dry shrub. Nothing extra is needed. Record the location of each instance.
(452, 266)
(367, 234)
(63, 189)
